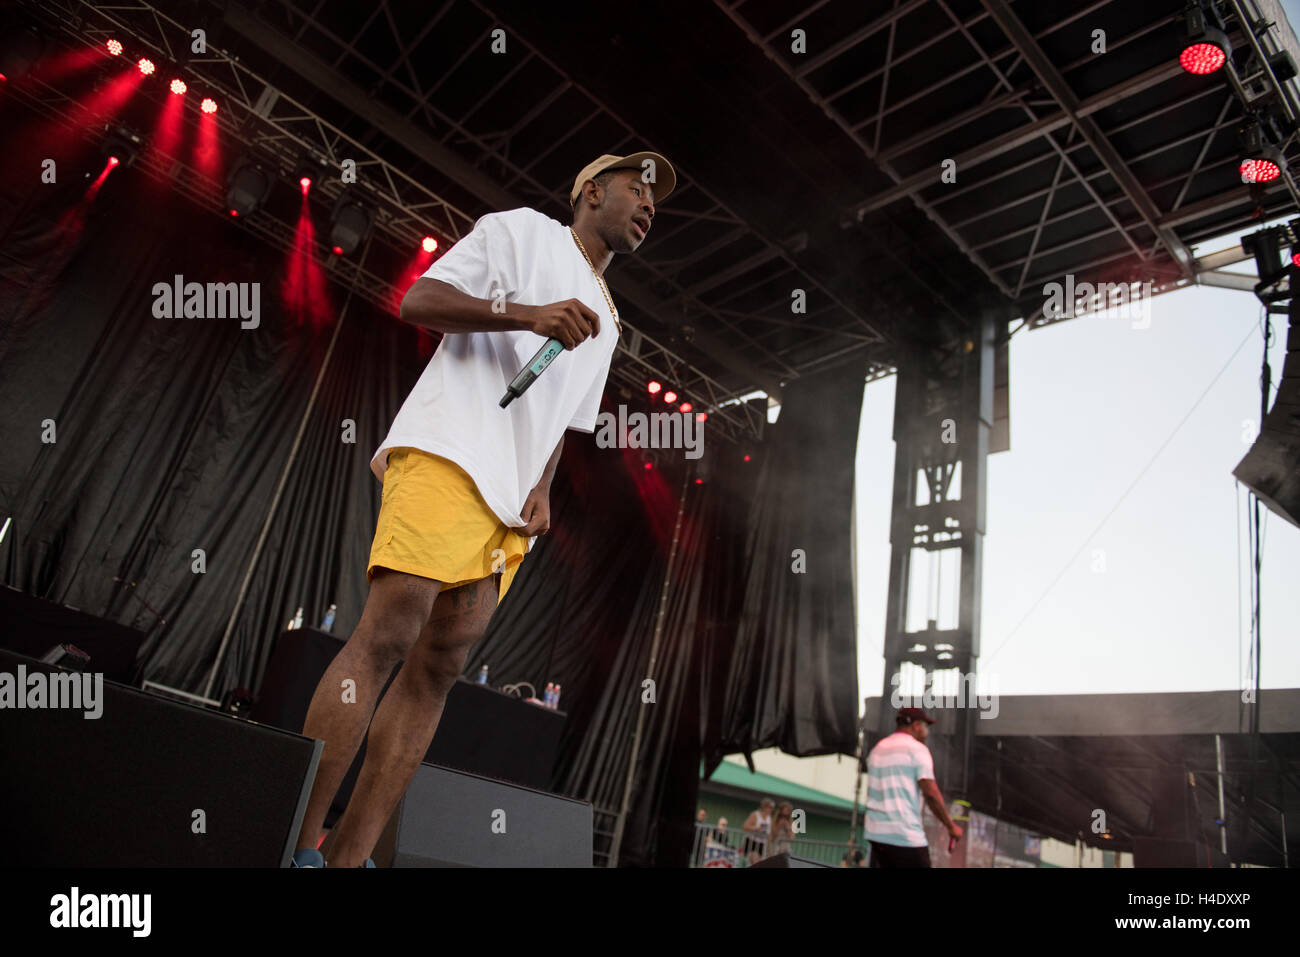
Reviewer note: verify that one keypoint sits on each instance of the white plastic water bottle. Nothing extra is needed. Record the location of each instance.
(550, 694)
(555, 699)
(328, 623)
(297, 619)
(482, 675)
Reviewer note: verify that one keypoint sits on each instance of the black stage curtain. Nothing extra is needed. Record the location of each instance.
(584, 611)
(171, 435)
(792, 679)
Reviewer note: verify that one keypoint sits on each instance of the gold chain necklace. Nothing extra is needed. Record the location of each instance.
(600, 279)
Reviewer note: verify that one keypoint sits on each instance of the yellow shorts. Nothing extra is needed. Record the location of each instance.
(434, 523)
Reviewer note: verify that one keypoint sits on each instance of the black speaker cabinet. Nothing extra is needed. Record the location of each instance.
(149, 782)
(482, 730)
(452, 819)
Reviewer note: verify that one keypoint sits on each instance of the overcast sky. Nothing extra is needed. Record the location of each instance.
(1082, 488)
(1092, 400)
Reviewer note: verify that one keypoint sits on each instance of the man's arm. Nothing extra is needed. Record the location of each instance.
(440, 306)
(536, 512)
(548, 473)
(930, 790)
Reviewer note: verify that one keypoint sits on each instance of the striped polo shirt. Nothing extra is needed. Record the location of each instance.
(895, 767)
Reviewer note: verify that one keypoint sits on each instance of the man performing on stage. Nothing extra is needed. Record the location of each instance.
(900, 771)
(466, 482)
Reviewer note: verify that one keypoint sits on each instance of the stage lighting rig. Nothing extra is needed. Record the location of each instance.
(122, 144)
(1266, 246)
(1206, 47)
(248, 187)
(350, 223)
(1261, 162)
(308, 172)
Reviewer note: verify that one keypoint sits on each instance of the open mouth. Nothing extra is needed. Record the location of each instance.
(641, 229)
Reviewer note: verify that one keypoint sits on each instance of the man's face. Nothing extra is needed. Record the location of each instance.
(920, 730)
(701, 816)
(625, 212)
(766, 807)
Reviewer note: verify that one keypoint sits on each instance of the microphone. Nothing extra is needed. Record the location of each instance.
(529, 373)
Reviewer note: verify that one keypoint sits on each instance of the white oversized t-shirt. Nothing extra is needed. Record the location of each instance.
(454, 410)
(895, 768)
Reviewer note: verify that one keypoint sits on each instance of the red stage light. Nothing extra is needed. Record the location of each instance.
(114, 48)
(113, 161)
(3, 78)
(429, 243)
(146, 66)
(746, 458)
(649, 466)
(699, 481)
(701, 416)
(209, 105)
(1295, 259)
(178, 87)
(234, 212)
(1259, 171)
(305, 183)
(338, 250)
(670, 397)
(685, 407)
(1202, 58)
(654, 387)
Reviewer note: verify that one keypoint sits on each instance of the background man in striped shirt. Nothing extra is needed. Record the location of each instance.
(899, 771)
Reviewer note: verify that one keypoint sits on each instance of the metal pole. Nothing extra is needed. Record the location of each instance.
(275, 502)
(650, 668)
(857, 780)
(1223, 827)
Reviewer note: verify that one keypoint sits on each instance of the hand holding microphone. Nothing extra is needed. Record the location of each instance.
(569, 321)
(565, 325)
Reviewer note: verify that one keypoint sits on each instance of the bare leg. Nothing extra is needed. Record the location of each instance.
(408, 716)
(396, 608)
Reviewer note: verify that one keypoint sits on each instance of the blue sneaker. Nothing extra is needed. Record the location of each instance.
(307, 857)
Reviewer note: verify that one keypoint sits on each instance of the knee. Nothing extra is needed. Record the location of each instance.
(392, 628)
(440, 667)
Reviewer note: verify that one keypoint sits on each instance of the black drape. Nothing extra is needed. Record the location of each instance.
(792, 679)
(587, 601)
(171, 435)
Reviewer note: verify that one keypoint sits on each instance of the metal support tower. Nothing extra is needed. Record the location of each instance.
(943, 415)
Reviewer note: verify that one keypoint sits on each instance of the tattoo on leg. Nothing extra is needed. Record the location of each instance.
(467, 601)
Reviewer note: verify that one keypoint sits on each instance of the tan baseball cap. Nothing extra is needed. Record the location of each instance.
(665, 178)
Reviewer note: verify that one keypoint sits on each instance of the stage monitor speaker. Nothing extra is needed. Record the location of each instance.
(32, 626)
(483, 731)
(788, 860)
(452, 819)
(1157, 852)
(1271, 468)
(148, 782)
